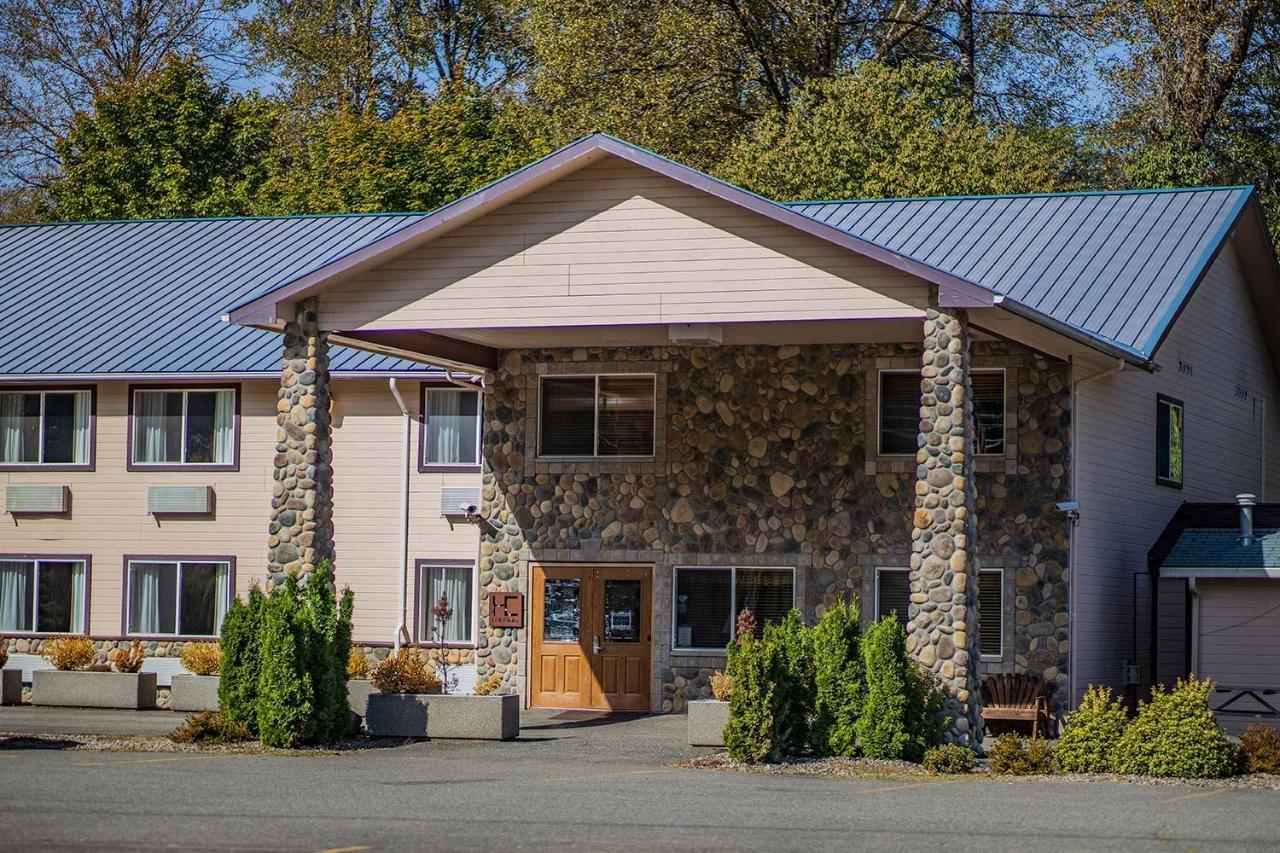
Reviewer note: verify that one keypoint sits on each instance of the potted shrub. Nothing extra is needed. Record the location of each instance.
(708, 717)
(199, 690)
(71, 683)
(10, 679)
(358, 686)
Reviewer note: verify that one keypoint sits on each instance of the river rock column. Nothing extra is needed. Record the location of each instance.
(944, 603)
(301, 529)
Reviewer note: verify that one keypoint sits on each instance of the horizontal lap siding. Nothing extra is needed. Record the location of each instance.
(1122, 508)
(109, 505)
(613, 240)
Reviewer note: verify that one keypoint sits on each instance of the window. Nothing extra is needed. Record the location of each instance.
(182, 598)
(45, 427)
(893, 593)
(42, 596)
(596, 416)
(456, 582)
(190, 427)
(450, 428)
(707, 601)
(991, 613)
(1168, 441)
(900, 412)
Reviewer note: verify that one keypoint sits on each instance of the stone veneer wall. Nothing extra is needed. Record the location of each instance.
(766, 456)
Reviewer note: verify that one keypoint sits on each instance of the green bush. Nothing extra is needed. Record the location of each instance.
(948, 759)
(209, 727)
(241, 661)
(1088, 744)
(794, 680)
(286, 692)
(1260, 749)
(899, 718)
(839, 681)
(1175, 735)
(1013, 756)
(751, 733)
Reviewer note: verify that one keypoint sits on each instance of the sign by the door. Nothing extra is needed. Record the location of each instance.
(506, 610)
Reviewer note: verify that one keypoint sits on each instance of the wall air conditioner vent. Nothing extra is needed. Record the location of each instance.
(179, 500)
(37, 500)
(454, 502)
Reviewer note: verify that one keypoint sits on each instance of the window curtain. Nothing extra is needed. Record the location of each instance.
(11, 428)
(224, 422)
(222, 597)
(77, 598)
(15, 596)
(144, 608)
(80, 428)
(455, 583)
(149, 433)
(451, 427)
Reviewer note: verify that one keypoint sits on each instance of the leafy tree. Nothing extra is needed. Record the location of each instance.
(888, 132)
(839, 680)
(427, 154)
(173, 143)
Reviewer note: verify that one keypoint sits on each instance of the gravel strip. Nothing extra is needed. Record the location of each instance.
(142, 743)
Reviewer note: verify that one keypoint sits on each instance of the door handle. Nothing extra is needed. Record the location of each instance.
(595, 644)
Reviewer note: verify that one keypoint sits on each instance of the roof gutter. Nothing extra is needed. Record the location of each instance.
(1129, 356)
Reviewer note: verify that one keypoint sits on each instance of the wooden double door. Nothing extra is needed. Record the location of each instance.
(590, 637)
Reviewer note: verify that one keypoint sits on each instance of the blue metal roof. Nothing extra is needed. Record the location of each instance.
(1201, 548)
(148, 296)
(1114, 266)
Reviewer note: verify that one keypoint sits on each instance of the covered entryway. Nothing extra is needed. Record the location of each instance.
(590, 637)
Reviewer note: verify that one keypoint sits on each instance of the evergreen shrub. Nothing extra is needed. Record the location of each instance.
(751, 735)
(899, 718)
(1088, 743)
(1175, 735)
(1014, 756)
(839, 681)
(1260, 749)
(241, 659)
(948, 759)
(795, 681)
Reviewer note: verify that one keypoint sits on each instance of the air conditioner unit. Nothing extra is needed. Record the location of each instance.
(179, 500)
(37, 500)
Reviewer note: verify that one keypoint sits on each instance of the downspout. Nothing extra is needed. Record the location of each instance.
(401, 631)
(1262, 452)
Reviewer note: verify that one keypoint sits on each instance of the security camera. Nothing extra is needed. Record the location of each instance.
(469, 510)
(1069, 508)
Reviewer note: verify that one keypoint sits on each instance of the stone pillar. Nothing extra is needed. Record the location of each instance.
(943, 569)
(301, 530)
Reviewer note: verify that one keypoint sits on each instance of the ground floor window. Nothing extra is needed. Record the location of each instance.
(42, 596)
(708, 599)
(186, 598)
(455, 582)
(893, 595)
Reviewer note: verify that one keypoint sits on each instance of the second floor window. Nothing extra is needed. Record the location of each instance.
(597, 415)
(189, 427)
(44, 427)
(900, 412)
(1168, 441)
(451, 434)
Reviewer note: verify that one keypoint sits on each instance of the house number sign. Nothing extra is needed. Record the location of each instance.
(506, 610)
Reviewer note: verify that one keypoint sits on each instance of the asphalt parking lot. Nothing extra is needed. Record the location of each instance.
(578, 782)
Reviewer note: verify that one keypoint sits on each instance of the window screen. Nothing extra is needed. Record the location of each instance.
(893, 593)
(899, 413)
(990, 613)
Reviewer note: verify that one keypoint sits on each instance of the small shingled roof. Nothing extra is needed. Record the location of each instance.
(1116, 266)
(1207, 536)
(148, 296)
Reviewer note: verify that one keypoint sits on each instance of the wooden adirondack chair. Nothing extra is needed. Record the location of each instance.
(1017, 698)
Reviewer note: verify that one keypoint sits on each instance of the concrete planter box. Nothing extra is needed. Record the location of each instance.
(358, 692)
(707, 719)
(93, 689)
(194, 693)
(438, 715)
(10, 687)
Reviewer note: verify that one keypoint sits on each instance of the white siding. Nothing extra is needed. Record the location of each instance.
(1122, 509)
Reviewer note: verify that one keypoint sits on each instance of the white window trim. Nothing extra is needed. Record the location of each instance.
(595, 429)
(426, 433)
(37, 562)
(733, 597)
(423, 590)
(185, 392)
(177, 598)
(999, 656)
(40, 453)
(1004, 410)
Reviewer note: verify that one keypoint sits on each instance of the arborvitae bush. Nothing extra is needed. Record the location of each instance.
(795, 681)
(839, 681)
(241, 660)
(1088, 744)
(1175, 735)
(325, 634)
(752, 732)
(899, 715)
(286, 691)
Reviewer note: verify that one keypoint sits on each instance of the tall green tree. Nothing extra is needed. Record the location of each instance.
(887, 132)
(172, 143)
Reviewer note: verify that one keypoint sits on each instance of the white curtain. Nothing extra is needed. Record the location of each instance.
(10, 428)
(222, 595)
(444, 426)
(15, 591)
(455, 583)
(149, 433)
(144, 607)
(77, 598)
(224, 417)
(81, 427)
